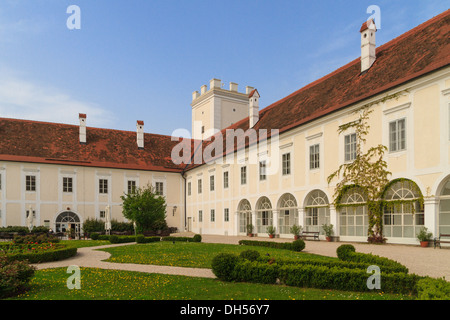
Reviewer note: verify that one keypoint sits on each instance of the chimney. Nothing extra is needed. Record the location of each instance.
(248, 89)
(253, 107)
(368, 30)
(215, 83)
(233, 86)
(140, 134)
(82, 118)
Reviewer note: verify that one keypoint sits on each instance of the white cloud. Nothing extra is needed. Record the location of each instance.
(23, 99)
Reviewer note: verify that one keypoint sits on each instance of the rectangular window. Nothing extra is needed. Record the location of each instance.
(199, 186)
(159, 188)
(213, 215)
(226, 214)
(243, 175)
(103, 186)
(131, 186)
(397, 135)
(262, 170)
(102, 214)
(200, 216)
(67, 184)
(211, 183)
(350, 147)
(0, 182)
(225, 179)
(30, 183)
(189, 187)
(314, 159)
(286, 163)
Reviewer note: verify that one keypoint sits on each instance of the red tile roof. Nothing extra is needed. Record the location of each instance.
(417, 52)
(43, 142)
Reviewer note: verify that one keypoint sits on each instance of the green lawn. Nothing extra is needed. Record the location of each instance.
(190, 254)
(98, 284)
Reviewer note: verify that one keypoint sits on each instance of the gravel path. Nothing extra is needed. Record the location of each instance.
(421, 261)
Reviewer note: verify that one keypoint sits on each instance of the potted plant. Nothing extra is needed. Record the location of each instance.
(424, 237)
(328, 229)
(296, 230)
(271, 231)
(250, 230)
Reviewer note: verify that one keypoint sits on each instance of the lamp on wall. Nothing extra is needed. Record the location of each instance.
(174, 210)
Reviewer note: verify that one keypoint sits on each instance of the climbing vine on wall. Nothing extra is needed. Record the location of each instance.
(367, 171)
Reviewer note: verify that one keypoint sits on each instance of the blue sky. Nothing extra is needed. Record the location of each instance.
(142, 59)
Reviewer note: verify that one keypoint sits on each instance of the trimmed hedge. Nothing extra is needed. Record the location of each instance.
(121, 239)
(195, 238)
(347, 252)
(433, 289)
(297, 245)
(142, 239)
(45, 256)
(336, 275)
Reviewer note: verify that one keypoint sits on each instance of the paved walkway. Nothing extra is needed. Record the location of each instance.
(421, 261)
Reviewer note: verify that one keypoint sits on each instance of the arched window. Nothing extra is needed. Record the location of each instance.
(264, 215)
(353, 218)
(287, 213)
(245, 215)
(444, 209)
(403, 214)
(317, 211)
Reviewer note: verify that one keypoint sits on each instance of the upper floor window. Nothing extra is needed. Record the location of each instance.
(67, 184)
(213, 215)
(211, 183)
(262, 170)
(103, 186)
(131, 186)
(243, 175)
(286, 163)
(30, 183)
(225, 179)
(0, 182)
(199, 185)
(189, 188)
(226, 214)
(350, 147)
(314, 157)
(397, 135)
(159, 188)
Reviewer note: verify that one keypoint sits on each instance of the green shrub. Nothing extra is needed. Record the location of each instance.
(433, 289)
(92, 225)
(298, 245)
(223, 265)
(14, 276)
(35, 238)
(251, 255)
(197, 238)
(343, 252)
(94, 236)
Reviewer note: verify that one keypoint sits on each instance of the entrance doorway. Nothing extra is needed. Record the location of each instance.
(68, 223)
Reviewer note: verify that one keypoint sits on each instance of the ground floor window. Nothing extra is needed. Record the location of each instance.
(245, 215)
(66, 221)
(264, 215)
(287, 213)
(353, 221)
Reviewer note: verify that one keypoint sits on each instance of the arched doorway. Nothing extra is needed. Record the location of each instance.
(245, 215)
(68, 221)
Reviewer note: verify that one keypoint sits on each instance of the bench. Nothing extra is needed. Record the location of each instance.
(438, 241)
(310, 234)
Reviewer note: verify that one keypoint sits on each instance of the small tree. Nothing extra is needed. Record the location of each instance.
(146, 208)
(368, 171)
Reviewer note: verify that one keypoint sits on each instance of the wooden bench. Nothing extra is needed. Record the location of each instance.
(310, 234)
(438, 241)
